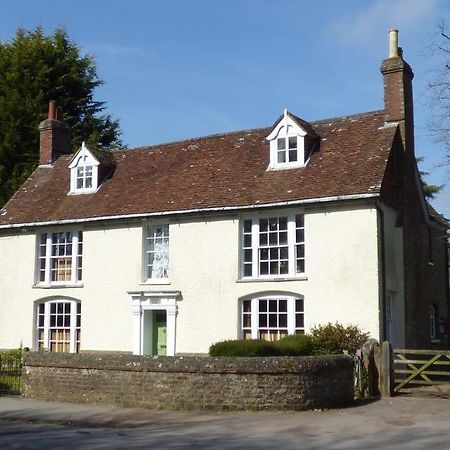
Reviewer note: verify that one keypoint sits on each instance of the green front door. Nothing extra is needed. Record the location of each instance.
(159, 333)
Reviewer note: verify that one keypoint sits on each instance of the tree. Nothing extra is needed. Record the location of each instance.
(429, 190)
(439, 88)
(35, 69)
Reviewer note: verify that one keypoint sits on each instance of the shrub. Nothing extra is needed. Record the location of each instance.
(295, 345)
(243, 347)
(335, 338)
(11, 358)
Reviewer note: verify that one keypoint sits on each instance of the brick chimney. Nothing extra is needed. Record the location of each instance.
(55, 136)
(398, 95)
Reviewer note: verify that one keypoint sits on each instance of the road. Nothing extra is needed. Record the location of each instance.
(400, 423)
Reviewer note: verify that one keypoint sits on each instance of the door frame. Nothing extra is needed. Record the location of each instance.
(146, 300)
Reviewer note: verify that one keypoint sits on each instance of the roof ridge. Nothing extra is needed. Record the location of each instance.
(350, 116)
(248, 130)
(194, 139)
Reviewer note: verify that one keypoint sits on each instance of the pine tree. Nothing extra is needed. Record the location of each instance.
(34, 69)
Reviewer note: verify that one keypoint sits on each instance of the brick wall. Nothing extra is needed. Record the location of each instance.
(276, 383)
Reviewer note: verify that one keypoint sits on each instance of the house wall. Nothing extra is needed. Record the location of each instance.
(341, 282)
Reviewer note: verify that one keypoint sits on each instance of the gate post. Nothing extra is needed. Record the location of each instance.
(386, 370)
(371, 361)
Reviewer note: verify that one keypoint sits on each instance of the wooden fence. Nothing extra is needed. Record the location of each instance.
(414, 368)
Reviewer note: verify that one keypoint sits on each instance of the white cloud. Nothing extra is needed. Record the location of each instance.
(379, 16)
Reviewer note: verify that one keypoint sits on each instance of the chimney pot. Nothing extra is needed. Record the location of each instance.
(393, 43)
(52, 110)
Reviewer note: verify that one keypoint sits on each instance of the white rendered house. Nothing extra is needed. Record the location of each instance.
(167, 249)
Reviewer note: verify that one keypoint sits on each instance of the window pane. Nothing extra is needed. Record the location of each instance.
(299, 321)
(299, 305)
(283, 320)
(274, 253)
(293, 142)
(273, 320)
(273, 305)
(292, 155)
(247, 226)
(273, 268)
(247, 240)
(299, 220)
(273, 239)
(263, 239)
(264, 268)
(263, 320)
(263, 305)
(301, 266)
(281, 143)
(263, 225)
(282, 221)
(300, 235)
(281, 157)
(248, 270)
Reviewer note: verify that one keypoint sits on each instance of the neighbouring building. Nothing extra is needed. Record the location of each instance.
(258, 233)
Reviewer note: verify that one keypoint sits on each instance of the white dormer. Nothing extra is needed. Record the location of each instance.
(83, 172)
(288, 147)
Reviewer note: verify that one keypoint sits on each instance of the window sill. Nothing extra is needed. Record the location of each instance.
(259, 280)
(161, 281)
(435, 341)
(57, 286)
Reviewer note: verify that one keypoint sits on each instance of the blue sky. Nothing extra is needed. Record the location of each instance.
(176, 69)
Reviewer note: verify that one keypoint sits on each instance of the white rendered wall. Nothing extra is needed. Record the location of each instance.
(341, 279)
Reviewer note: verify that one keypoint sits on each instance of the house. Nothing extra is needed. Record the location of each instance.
(167, 249)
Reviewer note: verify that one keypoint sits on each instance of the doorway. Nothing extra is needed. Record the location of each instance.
(159, 327)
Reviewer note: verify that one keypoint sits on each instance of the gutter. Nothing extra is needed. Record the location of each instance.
(318, 200)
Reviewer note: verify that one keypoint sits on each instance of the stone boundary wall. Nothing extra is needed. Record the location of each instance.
(275, 383)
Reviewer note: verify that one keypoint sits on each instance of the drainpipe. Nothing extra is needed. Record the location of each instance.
(382, 266)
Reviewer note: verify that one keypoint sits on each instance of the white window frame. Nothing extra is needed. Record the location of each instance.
(254, 328)
(74, 326)
(285, 129)
(83, 159)
(292, 244)
(147, 278)
(76, 258)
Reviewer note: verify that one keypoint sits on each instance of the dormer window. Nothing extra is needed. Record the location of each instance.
(292, 141)
(84, 177)
(287, 149)
(83, 172)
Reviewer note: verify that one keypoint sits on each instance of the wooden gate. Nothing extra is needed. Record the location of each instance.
(413, 368)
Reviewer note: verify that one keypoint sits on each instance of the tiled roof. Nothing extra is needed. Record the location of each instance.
(227, 170)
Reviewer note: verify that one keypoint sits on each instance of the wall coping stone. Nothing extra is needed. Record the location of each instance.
(187, 364)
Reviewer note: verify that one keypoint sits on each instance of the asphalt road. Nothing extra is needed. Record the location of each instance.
(400, 423)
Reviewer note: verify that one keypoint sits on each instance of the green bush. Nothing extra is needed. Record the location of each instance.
(295, 345)
(336, 338)
(243, 347)
(11, 358)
